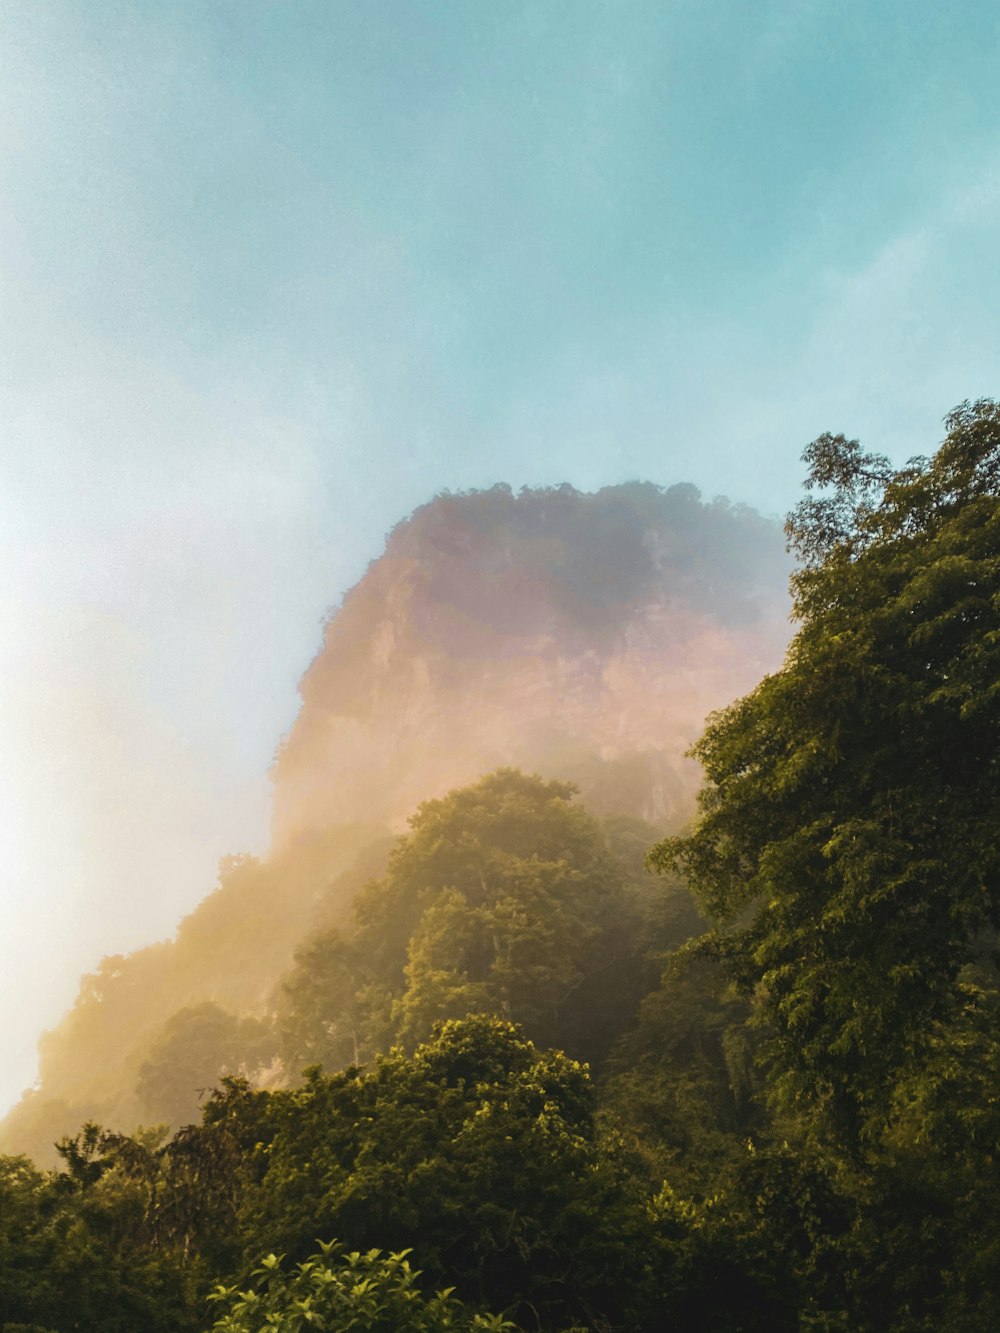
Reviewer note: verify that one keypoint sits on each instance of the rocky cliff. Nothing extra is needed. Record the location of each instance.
(581, 636)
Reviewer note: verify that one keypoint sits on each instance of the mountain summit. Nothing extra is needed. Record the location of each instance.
(580, 635)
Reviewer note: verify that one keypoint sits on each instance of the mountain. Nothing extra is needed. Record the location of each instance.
(585, 636)
(581, 636)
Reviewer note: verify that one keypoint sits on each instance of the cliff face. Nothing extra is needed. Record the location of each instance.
(580, 636)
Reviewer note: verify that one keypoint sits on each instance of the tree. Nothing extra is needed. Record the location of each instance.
(479, 1151)
(322, 1005)
(848, 845)
(194, 1049)
(340, 1291)
(504, 898)
(75, 1252)
(683, 1080)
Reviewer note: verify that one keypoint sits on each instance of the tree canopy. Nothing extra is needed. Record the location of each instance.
(506, 897)
(848, 844)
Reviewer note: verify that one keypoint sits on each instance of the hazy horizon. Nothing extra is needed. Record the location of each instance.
(275, 275)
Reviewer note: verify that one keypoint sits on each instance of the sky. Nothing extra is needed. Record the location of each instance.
(274, 273)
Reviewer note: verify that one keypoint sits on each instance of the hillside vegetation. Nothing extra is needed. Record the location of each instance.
(541, 1067)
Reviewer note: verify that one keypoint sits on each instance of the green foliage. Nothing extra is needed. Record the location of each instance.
(925, 1239)
(195, 1049)
(847, 852)
(74, 1251)
(339, 1291)
(505, 898)
(478, 1150)
(848, 844)
(683, 1082)
(466, 1142)
(325, 1005)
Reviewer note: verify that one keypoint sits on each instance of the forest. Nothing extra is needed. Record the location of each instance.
(549, 1067)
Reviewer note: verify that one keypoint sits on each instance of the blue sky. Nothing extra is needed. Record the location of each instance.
(274, 273)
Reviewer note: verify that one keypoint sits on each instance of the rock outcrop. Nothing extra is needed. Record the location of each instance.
(580, 636)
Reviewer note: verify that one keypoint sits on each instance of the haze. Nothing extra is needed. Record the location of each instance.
(273, 275)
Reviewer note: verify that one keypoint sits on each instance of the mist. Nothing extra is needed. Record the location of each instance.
(272, 279)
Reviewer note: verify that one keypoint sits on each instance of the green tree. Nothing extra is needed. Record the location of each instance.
(504, 898)
(340, 1291)
(196, 1048)
(518, 953)
(324, 1005)
(683, 1081)
(848, 844)
(479, 1151)
(75, 1250)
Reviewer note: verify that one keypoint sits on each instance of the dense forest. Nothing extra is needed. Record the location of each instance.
(543, 1065)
